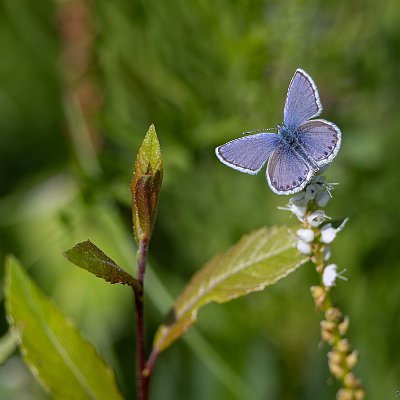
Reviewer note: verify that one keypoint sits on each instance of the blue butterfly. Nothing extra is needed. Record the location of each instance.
(297, 151)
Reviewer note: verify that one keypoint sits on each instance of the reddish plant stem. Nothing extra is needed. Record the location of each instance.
(142, 376)
(151, 362)
(142, 259)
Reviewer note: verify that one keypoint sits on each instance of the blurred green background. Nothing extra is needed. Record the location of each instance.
(202, 72)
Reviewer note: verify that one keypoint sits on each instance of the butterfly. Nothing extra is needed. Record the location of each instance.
(299, 148)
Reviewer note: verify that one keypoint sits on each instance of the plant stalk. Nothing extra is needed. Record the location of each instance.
(342, 358)
(142, 376)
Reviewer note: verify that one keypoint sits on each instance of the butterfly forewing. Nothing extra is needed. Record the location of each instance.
(248, 154)
(320, 139)
(302, 101)
(287, 172)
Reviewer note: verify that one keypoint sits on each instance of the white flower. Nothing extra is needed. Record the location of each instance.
(303, 247)
(320, 191)
(328, 233)
(316, 190)
(322, 198)
(327, 253)
(307, 235)
(330, 274)
(316, 218)
(316, 186)
(299, 200)
(296, 210)
(311, 191)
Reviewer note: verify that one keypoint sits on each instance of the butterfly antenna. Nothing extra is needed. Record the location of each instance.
(259, 131)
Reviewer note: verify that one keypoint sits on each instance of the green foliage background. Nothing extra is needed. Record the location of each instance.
(203, 72)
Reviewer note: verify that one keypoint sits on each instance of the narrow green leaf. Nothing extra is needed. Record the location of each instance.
(8, 344)
(258, 260)
(149, 159)
(88, 256)
(146, 185)
(62, 361)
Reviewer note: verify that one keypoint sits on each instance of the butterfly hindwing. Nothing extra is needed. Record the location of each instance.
(287, 172)
(302, 101)
(248, 154)
(320, 139)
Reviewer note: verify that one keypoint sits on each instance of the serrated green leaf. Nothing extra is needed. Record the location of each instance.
(63, 362)
(8, 344)
(258, 260)
(146, 185)
(88, 256)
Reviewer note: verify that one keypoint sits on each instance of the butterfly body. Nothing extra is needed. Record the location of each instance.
(289, 136)
(291, 142)
(299, 148)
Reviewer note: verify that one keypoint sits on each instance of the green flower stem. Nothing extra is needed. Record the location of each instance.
(141, 371)
(341, 358)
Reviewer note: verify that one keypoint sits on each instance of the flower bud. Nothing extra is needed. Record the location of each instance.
(350, 380)
(327, 336)
(307, 235)
(344, 325)
(336, 369)
(344, 394)
(343, 346)
(327, 325)
(359, 394)
(303, 247)
(351, 359)
(335, 357)
(319, 294)
(333, 314)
